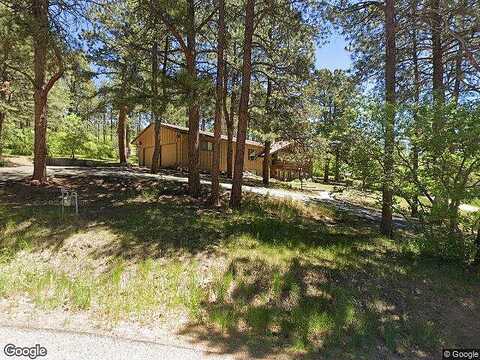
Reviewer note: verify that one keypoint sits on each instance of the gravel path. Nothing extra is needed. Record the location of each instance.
(62, 345)
(24, 172)
(20, 173)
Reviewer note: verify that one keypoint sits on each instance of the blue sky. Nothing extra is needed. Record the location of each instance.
(333, 55)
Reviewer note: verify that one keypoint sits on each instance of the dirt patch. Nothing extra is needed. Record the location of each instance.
(17, 160)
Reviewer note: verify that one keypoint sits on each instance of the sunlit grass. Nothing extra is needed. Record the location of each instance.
(120, 293)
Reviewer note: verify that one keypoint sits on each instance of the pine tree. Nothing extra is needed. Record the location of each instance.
(386, 226)
(219, 103)
(236, 194)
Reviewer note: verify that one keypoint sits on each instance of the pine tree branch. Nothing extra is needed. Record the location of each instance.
(168, 21)
(59, 73)
(207, 19)
(467, 51)
(20, 71)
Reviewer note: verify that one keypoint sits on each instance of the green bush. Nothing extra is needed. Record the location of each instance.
(440, 243)
(70, 138)
(100, 150)
(74, 139)
(19, 141)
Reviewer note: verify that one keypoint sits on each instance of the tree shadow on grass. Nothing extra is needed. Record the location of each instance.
(159, 230)
(364, 304)
(303, 286)
(31, 217)
(151, 217)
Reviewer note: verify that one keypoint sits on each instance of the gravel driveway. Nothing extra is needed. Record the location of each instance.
(21, 173)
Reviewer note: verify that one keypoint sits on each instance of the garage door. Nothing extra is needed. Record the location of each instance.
(169, 155)
(148, 156)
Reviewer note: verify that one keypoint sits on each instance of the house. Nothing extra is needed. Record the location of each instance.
(283, 165)
(174, 148)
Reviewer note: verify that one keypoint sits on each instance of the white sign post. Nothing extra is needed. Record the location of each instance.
(69, 198)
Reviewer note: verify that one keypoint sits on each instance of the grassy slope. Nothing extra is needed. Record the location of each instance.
(274, 277)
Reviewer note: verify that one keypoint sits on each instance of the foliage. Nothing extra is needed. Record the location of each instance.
(70, 138)
(332, 107)
(449, 164)
(19, 141)
(435, 242)
(99, 150)
(75, 137)
(334, 118)
(362, 165)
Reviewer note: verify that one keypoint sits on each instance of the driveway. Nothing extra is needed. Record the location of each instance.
(21, 173)
(62, 345)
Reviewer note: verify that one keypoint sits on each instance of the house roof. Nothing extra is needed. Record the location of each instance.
(185, 130)
(277, 146)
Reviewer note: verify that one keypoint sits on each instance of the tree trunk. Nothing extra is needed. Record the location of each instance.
(236, 196)
(266, 163)
(193, 107)
(154, 108)
(157, 148)
(219, 91)
(104, 121)
(40, 141)
(127, 139)
(2, 119)
(97, 130)
(416, 95)
(337, 164)
(230, 152)
(438, 91)
(266, 151)
(386, 226)
(458, 73)
(111, 125)
(42, 87)
(326, 171)
(437, 62)
(453, 217)
(230, 126)
(461, 54)
(40, 46)
(122, 134)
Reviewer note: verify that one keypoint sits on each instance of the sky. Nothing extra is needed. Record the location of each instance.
(333, 54)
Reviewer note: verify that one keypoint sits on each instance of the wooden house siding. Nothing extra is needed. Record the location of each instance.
(174, 147)
(284, 169)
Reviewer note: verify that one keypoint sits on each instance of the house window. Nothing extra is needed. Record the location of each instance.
(252, 154)
(206, 146)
